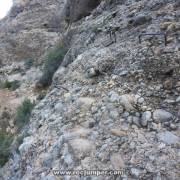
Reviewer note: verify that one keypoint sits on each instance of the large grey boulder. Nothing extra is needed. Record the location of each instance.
(140, 20)
(168, 138)
(161, 115)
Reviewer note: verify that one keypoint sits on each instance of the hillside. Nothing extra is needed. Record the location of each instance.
(103, 79)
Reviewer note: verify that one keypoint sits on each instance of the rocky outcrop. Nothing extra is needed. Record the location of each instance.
(30, 29)
(75, 10)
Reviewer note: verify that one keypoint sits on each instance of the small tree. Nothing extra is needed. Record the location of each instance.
(51, 64)
(5, 145)
(23, 113)
(13, 85)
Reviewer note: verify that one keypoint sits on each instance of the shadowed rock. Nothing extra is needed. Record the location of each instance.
(77, 9)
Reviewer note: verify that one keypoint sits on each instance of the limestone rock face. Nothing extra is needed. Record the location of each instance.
(30, 29)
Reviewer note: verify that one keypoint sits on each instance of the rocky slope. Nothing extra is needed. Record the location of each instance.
(114, 102)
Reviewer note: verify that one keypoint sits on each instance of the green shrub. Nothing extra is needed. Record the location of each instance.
(51, 64)
(23, 113)
(5, 148)
(13, 85)
(7, 141)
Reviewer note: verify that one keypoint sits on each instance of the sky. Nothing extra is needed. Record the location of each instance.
(5, 6)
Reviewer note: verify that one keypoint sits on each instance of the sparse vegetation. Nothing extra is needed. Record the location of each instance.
(23, 113)
(51, 64)
(5, 148)
(5, 116)
(13, 85)
(9, 142)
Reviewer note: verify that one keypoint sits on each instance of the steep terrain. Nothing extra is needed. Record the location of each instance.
(114, 101)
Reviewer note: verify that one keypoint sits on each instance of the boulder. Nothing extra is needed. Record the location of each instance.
(161, 115)
(146, 116)
(85, 102)
(140, 20)
(168, 138)
(114, 97)
(118, 132)
(127, 101)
